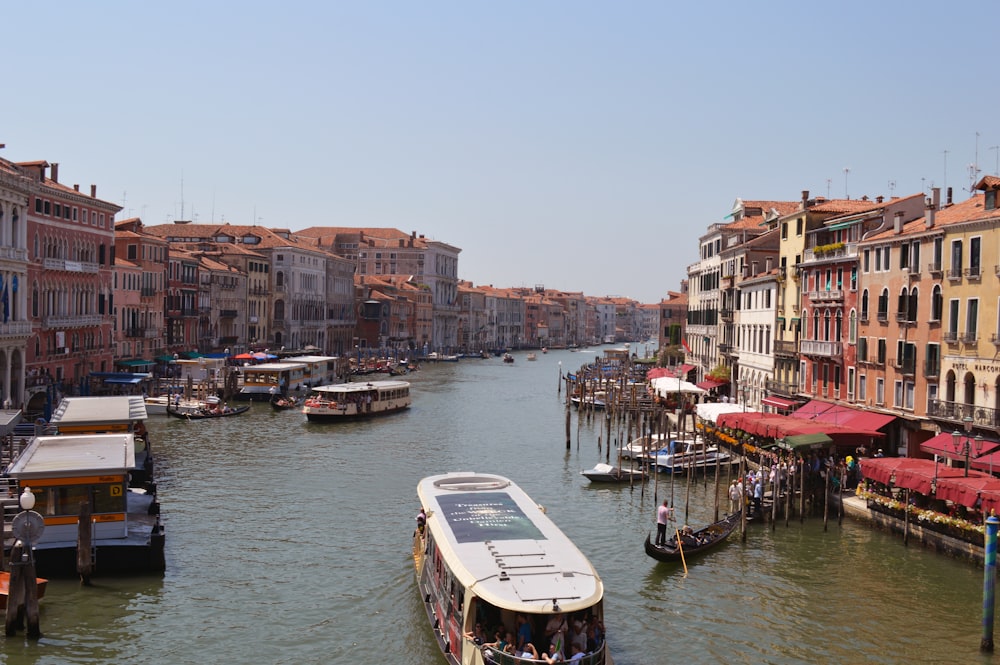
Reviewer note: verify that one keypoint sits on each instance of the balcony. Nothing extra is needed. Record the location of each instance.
(935, 269)
(91, 320)
(905, 366)
(227, 314)
(974, 272)
(70, 266)
(814, 347)
(969, 337)
(904, 319)
(995, 339)
(133, 332)
(147, 292)
(785, 348)
(726, 314)
(782, 388)
(955, 274)
(863, 317)
(883, 317)
(955, 411)
(15, 329)
(830, 252)
(727, 349)
(950, 337)
(834, 295)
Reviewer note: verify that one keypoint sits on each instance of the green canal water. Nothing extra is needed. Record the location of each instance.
(289, 542)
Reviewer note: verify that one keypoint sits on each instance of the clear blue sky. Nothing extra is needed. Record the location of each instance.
(580, 145)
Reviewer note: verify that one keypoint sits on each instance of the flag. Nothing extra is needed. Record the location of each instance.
(685, 345)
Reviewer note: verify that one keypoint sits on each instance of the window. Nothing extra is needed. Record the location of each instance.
(784, 230)
(953, 308)
(937, 303)
(862, 387)
(862, 349)
(880, 391)
(932, 361)
(866, 261)
(798, 226)
(972, 318)
(956, 258)
(883, 305)
(974, 256)
(852, 327)
(908, 395)
(854, 278)
(938, 253)
(850, 382)
(864, 305)
(881, 351)
(897, 394)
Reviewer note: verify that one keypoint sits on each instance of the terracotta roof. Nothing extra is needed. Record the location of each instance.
(970, 210)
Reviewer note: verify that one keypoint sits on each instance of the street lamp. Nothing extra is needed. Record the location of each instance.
(963, 444)
(746, 396)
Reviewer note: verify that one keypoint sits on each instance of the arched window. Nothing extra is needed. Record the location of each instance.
(937, 303)
(970, 389)
(949, 386)
(911, 305)
(864, 305)
(852, 329)
(883, 305)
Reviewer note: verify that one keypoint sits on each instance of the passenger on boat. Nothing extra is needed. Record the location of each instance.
(578, 653)
(555, 630)
(523, 632)
(421, 519)
(528, 651)
(664, 514)
(477, 635)
(554, 654)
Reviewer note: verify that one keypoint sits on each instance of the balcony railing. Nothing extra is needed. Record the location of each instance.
(935, 269)
(227, 313)
(903, 317)
(726, 314)
(72, 321)
(969, 337)
(782, 388)
(826, 296)
(70, 266)
(956, 411)
(815, 347)
(974, 272)
(883, 317)
(147, 292)
(784, 347)
(950, 337)
(995, 339)
(906, 366)
(955, 274)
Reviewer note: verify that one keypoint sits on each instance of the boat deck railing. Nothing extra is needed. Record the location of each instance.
(492, 655)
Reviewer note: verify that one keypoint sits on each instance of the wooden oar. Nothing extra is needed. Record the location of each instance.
(680, 548)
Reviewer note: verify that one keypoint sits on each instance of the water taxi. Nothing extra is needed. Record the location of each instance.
(485, 554)
(344, 401)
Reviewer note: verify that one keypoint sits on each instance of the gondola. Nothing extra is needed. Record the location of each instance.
(701, 540)
(280, 403)
(208, 414)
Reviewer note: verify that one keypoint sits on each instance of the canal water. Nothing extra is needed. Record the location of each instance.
(289, 542)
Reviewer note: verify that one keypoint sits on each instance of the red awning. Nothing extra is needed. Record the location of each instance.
(686, 368)
(709, 384)
(779, 402)
(812, 409)
(944, 445)
(881, 469)
(964, 491)
(868, 419)
(988, 463)
(919, 478)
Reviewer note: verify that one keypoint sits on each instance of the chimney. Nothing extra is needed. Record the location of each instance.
(93, 191)
(55, 172)
(931, 206)
(805, 199)
(949, 195)
(879, 199)
(897, 223)
(768, 264)
(76, 188)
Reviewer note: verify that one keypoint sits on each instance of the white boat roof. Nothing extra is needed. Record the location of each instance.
(359, 387)
(272, 367)
(108, 409)
(70, 455)
(503, 546)
(310, 359)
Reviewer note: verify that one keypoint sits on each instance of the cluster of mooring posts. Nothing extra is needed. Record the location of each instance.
(615, 389)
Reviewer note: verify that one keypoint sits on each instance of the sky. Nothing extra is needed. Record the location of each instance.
(583, 146)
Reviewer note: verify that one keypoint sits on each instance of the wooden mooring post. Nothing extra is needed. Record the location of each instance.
(84, 544)
(22, 595)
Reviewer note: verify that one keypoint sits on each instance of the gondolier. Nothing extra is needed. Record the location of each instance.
(664, 515)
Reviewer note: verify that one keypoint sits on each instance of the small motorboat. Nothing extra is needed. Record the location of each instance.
(40, 584)
(284, 403)
(694, 542)
(209, 412)
(605, 473)
(507, 358)
(532, 356)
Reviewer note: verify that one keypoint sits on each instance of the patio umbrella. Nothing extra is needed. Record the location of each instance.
(244, 356)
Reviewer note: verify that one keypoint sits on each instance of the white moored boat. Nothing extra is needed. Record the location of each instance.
(489, 555)
(694, 457)
(344, 401)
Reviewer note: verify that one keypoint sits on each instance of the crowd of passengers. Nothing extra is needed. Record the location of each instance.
(565, 637)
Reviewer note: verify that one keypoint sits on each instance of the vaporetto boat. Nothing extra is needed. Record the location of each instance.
(489, 556)
(345, 401)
